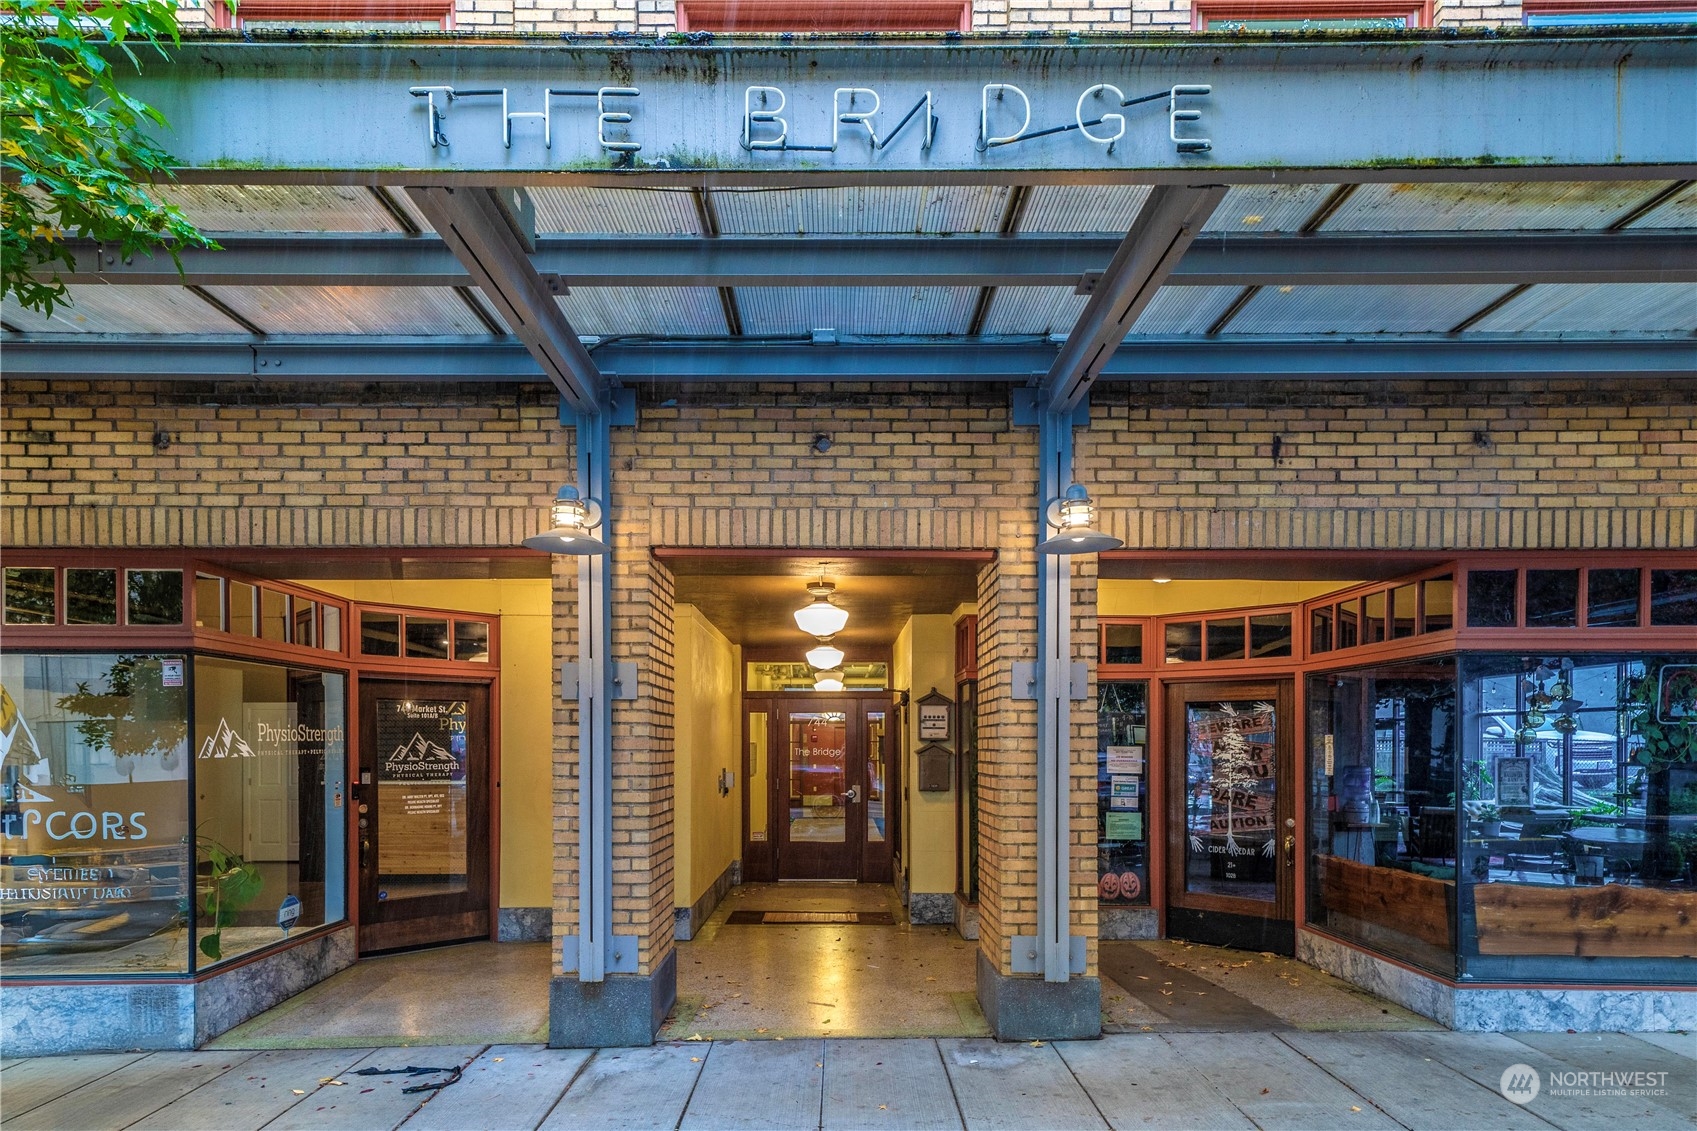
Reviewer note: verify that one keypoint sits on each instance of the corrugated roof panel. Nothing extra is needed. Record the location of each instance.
(1184, 310)
(282, 208)
(1267, 208)
(1490, 206)
(1033, 310)
(869, 210)
(1680, 211)
(105, 309)
(689, 312)
(619, 212)
(1600, 308)
(856, 310)
(1361, 310)
(1082, 208)
(352, 310)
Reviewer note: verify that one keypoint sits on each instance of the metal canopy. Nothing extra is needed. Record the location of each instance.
(1214, 259)
(1403, 106)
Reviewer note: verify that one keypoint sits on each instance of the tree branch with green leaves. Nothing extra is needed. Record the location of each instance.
(74, 148)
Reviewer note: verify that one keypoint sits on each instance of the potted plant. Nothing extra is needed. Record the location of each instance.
(232, 884)
(1488, 819)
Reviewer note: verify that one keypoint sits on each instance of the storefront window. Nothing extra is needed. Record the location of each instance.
(94, 856)
(1382, 808)
(1122, 780)
(270, 747)
(1579, 813)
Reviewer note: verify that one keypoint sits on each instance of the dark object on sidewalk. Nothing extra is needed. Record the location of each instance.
(412, 1070)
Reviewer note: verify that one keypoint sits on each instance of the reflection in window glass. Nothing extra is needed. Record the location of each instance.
(758, 822)
(273, 615)
(1373, 617)
(1673, 596)
(875, 755)
(471, 641)
(1231, 785)
(96, 776)
(1225, 639)
(1552, 598)
(1122, 796)
(423, 838)
(818, 812)
(1440, 604)
(29, 596)
(1122, 644)
(1382, 823)
(427, 638)
(1184, 642)
(1269, 635)
(270, 744)
(209, 602)
(91, 596)
(1349, 623)
(379, 633)
(1611, 598)
(1320, 23)
(1320, 630)
(304, 614)
(858, 675)
(1404, 606)
(332, 622)
(1490, 598)
(244, 609)
(155, 596)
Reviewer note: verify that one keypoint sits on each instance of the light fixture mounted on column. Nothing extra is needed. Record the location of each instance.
(821, 618)
(574, 520)
(825, 655)
(1074, 517)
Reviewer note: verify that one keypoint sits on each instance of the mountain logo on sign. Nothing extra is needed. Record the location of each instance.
(417, 751)
(225, 743)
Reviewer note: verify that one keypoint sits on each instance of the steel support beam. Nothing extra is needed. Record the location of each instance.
(1194, 358)
(1167, 223)
(1054, 709)
(481, 233)
(595, 716)
(1428, 106)
(1214, 259)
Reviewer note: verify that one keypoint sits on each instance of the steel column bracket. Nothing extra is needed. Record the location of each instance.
(621, 954)
(620, 410)
(1025, 684)
(623, 681)
(1025, 954)
(1026, 408)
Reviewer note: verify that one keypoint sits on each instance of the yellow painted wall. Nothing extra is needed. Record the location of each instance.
(923, 658)
(707, 827)
(1126, 598)
(528, 693)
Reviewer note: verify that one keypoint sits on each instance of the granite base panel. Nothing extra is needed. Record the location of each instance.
(1529, 1009)
(624, 1011)
(524, 924)
(1021, 1007)
(966, 918)
(1120, 923)
(689, 920)
(926, 908)
(121, 1016)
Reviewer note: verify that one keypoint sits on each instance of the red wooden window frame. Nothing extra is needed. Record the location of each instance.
(823, 15)
(1418, 13)
(440, 12)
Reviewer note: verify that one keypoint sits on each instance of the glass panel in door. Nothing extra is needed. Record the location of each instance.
(818, 777)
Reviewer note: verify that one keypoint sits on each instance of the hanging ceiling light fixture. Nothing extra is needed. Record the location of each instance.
(574, 519)
(825, 655)
(821, 618)
(1075, 517)
(831, 680)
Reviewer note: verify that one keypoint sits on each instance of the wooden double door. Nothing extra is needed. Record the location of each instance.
(821, 780)
(422, 813)
(1231, 814)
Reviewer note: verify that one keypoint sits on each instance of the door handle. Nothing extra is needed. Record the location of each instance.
(853, 794)
(1290, 850)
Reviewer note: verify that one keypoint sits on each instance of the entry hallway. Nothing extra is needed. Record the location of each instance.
(1439, 1080)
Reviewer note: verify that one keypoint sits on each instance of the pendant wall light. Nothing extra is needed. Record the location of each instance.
(1074, 516)
(574, 519)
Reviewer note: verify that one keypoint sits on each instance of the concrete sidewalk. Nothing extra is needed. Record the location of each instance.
(1438, 1080)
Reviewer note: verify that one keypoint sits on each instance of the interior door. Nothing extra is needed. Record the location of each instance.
(1231, 840)
(821, 791)
(422, 813)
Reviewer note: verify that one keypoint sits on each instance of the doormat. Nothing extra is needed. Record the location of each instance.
(746, 918)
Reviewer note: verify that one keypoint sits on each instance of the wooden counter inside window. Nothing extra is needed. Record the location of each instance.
(1614, 920)
(1417, 906)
